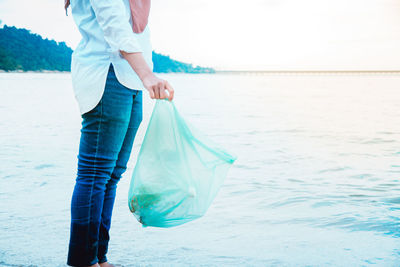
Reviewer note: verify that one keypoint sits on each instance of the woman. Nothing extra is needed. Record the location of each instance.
(110, 67)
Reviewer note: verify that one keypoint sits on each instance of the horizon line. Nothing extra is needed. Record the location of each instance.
(306, 71)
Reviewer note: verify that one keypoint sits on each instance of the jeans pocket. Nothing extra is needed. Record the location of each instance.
(136, 92)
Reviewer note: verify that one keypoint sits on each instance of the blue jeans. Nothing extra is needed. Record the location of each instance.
(107, 135)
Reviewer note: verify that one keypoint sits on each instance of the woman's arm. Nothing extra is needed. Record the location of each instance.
(151, 82)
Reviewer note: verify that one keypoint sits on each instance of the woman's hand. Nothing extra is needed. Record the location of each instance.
(151, 82)
(157, 87)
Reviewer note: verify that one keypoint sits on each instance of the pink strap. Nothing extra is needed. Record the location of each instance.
(66, 5)
(140, 10)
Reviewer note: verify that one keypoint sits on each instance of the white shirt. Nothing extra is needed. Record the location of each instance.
(106, 28)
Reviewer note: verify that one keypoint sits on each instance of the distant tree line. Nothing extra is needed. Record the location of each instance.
(164, 64)
(22, 50)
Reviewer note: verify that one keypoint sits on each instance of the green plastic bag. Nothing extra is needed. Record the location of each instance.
(178, 171)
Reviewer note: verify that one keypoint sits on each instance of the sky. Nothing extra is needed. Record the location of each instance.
(257, 35)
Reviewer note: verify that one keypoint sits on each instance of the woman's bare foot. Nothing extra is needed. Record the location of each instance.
(106, 264)
(95, 265)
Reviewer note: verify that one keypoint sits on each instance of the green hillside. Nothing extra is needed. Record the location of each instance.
(22, 50)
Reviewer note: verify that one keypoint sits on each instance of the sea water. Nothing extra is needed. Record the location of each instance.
(316, 182)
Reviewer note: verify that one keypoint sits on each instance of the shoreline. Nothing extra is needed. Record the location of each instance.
(241, 72)
(34, 71)
(312, 72)
(58, 71)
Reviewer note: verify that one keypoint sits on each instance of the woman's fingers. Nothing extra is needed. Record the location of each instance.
(156, 91)
(157, 87)
(164, 94)
(161, 88)
(170, 90)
